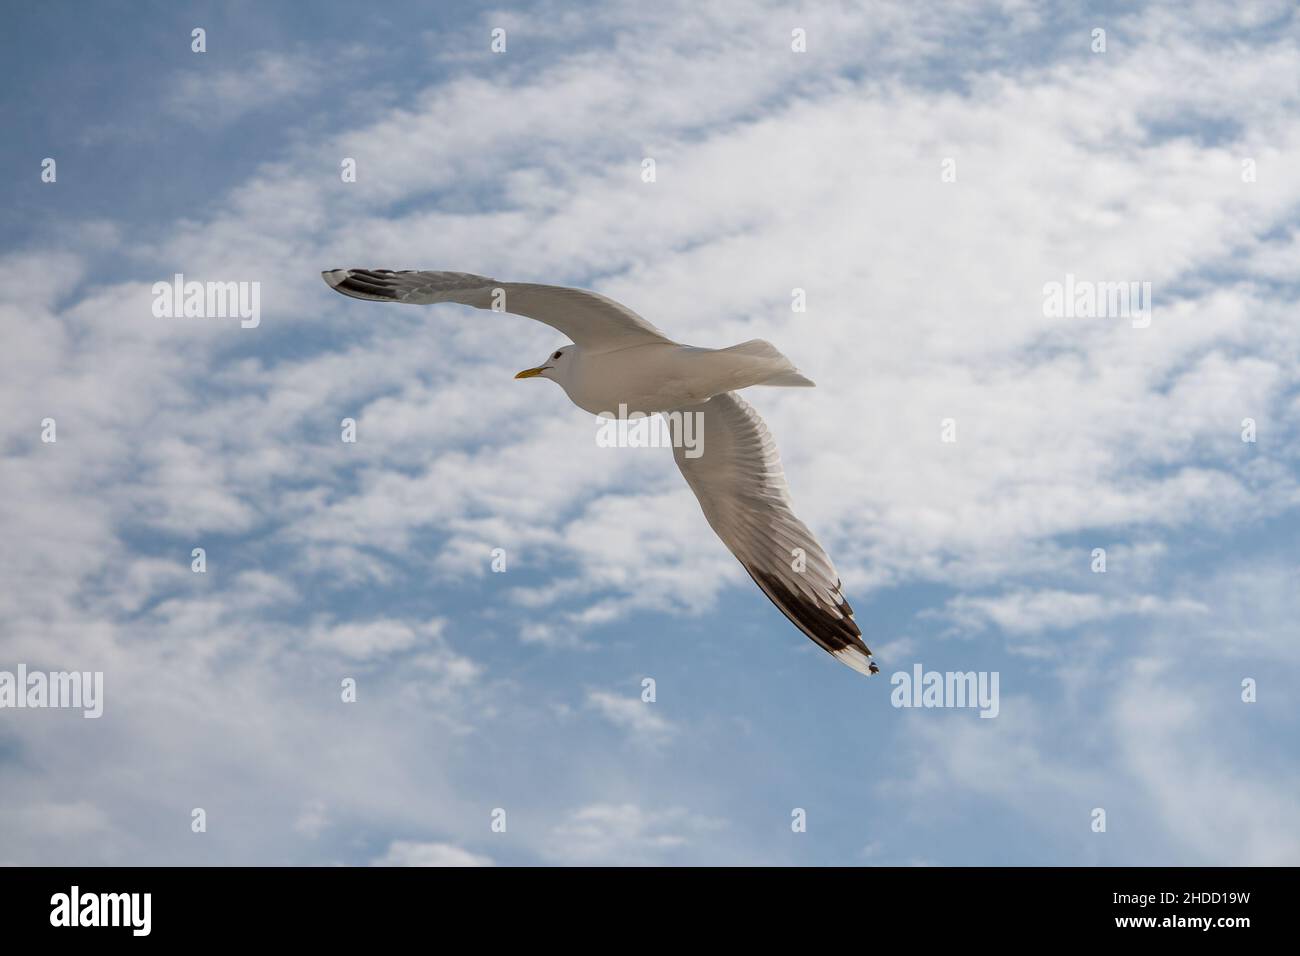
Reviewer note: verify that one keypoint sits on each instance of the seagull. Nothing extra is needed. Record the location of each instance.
(617, 360)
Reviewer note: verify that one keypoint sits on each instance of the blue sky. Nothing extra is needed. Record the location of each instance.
(776, 170)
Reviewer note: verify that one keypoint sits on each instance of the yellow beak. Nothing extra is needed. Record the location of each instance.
(529, 373)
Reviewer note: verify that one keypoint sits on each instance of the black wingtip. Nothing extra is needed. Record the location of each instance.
(360, 283)
(838, 635)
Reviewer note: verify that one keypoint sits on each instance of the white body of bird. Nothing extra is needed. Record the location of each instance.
(658, 377)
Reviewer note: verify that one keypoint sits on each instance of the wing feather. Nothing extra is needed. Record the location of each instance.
(741, 488)
(589, 319)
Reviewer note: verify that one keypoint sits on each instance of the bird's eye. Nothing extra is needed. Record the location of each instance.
(556, 355)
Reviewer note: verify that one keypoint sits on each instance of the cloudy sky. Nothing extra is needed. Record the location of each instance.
(922, 172)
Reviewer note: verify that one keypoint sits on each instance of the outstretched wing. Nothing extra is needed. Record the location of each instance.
(741, 488)
(589, 319)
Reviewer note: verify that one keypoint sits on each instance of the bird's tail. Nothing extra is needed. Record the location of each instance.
(778, 370)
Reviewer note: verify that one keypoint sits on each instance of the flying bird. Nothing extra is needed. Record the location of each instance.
(619, 359)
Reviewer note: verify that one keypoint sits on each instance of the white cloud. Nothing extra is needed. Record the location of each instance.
(630, 713)
(208, 95)
(1023, 614)
(625, 834)
(410, 853)
(313, 819)
(365, 640)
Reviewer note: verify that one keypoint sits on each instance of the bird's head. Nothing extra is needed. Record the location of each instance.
(556, 367)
